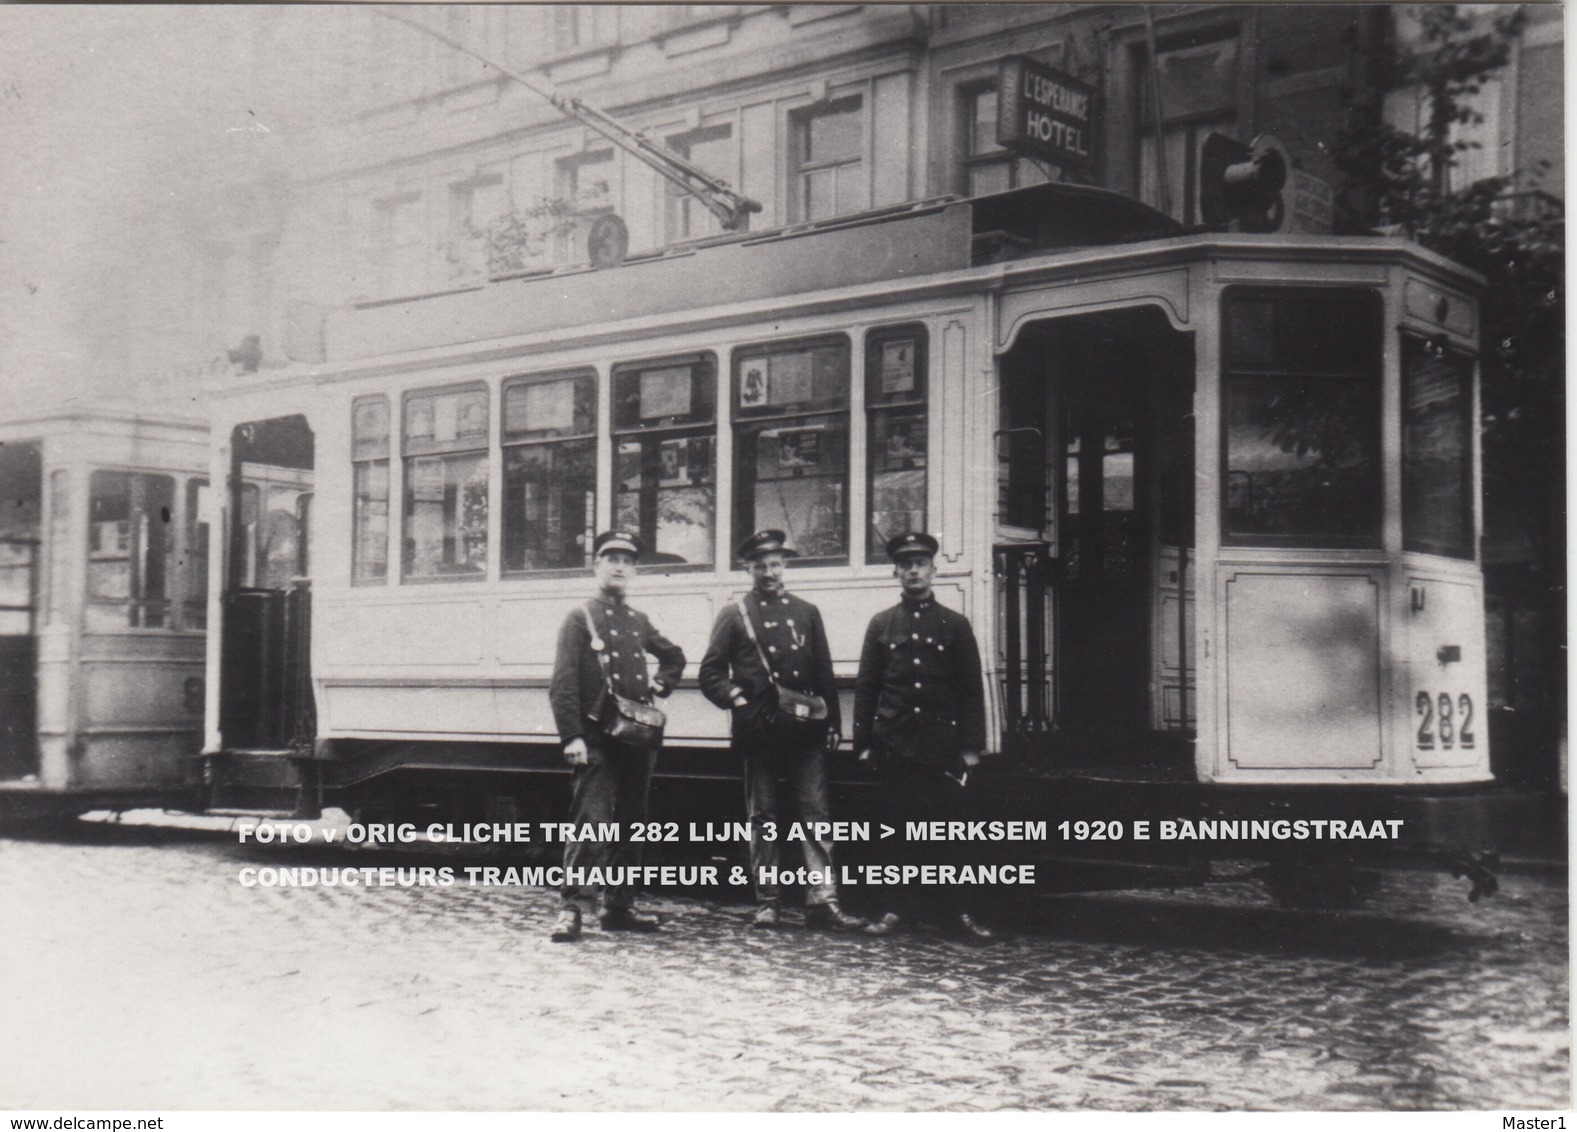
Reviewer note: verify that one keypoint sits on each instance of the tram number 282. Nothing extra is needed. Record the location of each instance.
(1443, 722)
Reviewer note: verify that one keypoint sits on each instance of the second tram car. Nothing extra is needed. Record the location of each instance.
(103, 609)
(1210, 501)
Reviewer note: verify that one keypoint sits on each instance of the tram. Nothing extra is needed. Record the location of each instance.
(103, 611)
(1210, 500)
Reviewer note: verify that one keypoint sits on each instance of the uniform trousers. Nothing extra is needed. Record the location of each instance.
(913, 791)
(612, 786)
(775, 770)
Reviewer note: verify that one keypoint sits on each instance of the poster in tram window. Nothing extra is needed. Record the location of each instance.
(665, 392)
(627, 472)
(753, 385)
(898, 367)
(419, 419)
(899, 441)
(550, 406)
(110, 539)
(787, 451)
(673, 463)
(791, 379)
(473, 415)
(446, 418)
(427, 479)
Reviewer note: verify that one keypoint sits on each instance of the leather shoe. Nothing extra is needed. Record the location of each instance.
(883, 926)
(566, 929)
(971, 930)
(629, 920)
(829, 917)
(767, 915)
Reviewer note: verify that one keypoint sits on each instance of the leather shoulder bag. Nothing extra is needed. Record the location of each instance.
(790, 714)
(624, 720)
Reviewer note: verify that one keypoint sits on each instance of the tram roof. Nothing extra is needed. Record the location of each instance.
(943, 238)
(50, 422)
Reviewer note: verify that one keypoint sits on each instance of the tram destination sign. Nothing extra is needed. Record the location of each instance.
(1046, 114)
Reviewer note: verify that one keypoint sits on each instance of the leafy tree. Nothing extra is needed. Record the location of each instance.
(1402, 182)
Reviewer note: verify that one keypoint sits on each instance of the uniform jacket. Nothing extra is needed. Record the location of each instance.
(791, 634)
(578, 690)
(919, 694)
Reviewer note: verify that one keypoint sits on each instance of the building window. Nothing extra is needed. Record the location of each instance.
(474, 206)
(131, 548)
(370, 468)
(1198, 77)
(399, 246)
(1437, 449)
(1479, 148)
(665, 479)
(394, 63)
(791, 444)
(585, 190)
(712, 151)
(1301, 384)
(896, 364)
(577, 26)
(550, 471)
(830, 175)
(987, 167)
(445, 451)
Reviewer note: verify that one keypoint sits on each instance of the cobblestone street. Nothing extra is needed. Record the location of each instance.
(140, 974)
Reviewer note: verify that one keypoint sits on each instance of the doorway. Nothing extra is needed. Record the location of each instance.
(1112, 395)
(265, 676)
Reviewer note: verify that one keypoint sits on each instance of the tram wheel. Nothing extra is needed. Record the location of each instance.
(1319, 887)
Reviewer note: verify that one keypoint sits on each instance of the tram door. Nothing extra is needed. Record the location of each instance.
(1118, 391)
(20, 495)
(266, 692)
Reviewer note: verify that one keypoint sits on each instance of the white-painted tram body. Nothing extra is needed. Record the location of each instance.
(1206, 498)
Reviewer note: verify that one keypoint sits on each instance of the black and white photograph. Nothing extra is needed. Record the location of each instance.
(1093, 639)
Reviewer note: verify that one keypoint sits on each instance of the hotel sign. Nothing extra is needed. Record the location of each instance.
(1046, 114)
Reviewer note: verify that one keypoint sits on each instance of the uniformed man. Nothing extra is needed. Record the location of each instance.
(919, 704)
(611, 780)
(786, 632)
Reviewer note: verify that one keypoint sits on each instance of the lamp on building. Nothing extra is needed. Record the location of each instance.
(1246, 186)
(248, 355)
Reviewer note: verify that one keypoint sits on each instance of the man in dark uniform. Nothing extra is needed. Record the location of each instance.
(920, 706)
(611, 780)
(788, 633)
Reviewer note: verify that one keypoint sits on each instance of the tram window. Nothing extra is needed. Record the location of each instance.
(665, 481)
(791, 444)
(16, 585)
(1106, 454)
(270, 526)
(550, 471)
(1301, 418)
(22, 492)
(445, 451)
(130, 546)
(370, 509)
(59, 544)
(194, 614)
(896, 363)
(1437, 449)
